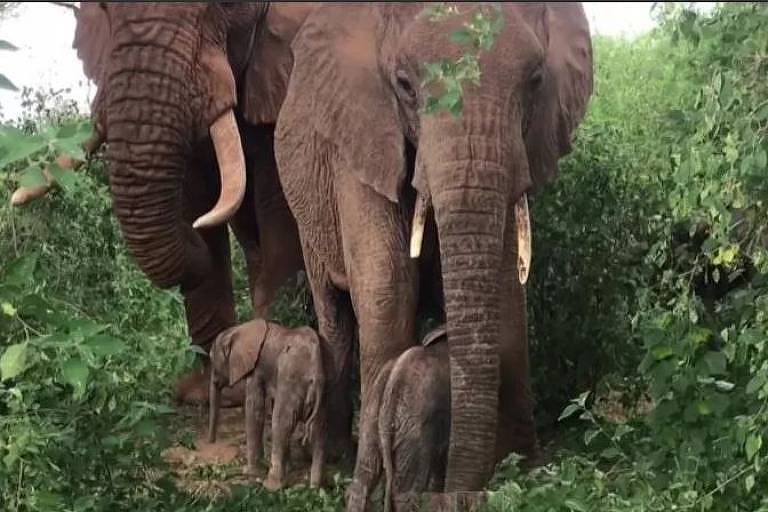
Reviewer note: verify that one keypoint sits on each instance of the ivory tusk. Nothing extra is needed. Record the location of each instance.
(523, 225)
(417, 227)
(229, 154)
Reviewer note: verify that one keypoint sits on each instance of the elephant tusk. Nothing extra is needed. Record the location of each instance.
(417, 228)
(523, 225)
(229, 154)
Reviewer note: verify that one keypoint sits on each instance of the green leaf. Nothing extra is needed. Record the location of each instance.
(20, 271)
(67, 130)
(661, 352)
(569, 411)
(75, 372)
(575, 505)
(6, 84)
(753, 445)
(104, 345)
(590, 436)
(13, 361)
(461, 36)
(716, 362)
(8, 309)
(749, 482)
(5, 45)
(66, 178)
(17, 145)
(756, 383)
(32, 176)
(703, 408)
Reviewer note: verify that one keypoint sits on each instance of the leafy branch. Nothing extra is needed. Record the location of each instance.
(477, 35)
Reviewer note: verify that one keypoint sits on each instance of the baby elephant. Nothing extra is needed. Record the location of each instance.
(283, 366)
(415, 419)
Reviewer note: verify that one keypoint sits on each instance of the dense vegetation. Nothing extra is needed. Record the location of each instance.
(648, 304)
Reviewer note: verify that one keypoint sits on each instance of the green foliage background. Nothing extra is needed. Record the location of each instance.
(648, 287)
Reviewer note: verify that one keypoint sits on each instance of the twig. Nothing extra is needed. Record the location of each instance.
(18, 489)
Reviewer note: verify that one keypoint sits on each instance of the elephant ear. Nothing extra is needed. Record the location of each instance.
(566, 87)
(246, 344)
(93, 44)
(338, 94)
(269, 66)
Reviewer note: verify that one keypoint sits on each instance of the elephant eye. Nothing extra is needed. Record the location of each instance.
(536, 78)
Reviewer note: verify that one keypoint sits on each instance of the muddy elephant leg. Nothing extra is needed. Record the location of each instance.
(384, 290)
(268, 234)
(336, 327)
(517, 430)
(254, 421)
(283, 422)
(318, 452)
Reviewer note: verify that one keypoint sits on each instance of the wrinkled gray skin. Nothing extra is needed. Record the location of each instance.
(280, 366)
(415, 419)
(354, 149)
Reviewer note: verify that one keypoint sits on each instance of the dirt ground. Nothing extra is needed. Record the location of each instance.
(211, 469)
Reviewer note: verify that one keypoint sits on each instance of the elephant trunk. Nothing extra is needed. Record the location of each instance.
(214, 404)
(470, 221)
(464, 168)
(153, 108)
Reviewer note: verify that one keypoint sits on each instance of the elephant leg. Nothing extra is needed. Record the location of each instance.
(254, 421)
(266, 229)
(336, 327)
(284, 417)
(384, 290)
(516, 430)
(246, 230)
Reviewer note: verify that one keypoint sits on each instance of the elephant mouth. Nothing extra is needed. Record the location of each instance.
(522, 223)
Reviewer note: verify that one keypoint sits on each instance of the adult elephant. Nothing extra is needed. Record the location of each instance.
(356, 153)
(188, 94)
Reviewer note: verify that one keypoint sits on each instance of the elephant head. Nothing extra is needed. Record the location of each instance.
(364, 66)
(172, 77)
(234, 354)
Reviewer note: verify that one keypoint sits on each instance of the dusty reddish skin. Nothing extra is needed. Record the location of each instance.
(345, 144)
(280, 366)
(165, 72)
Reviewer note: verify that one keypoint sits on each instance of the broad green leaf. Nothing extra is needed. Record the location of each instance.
(749, 482)
(5, 45)
(716, 362)
(103, 345)
(32, 176)
(661, 352)
(753, 445)
(461, 36)
(18, 145)
(75, 372)
(703, 408)
(756, 383)
(8, 309)
(569, 411)
(13, 361)
(590, 435)
(20, 271)
(66, 130)
(67, 179)
(575, 505)
(6, 84)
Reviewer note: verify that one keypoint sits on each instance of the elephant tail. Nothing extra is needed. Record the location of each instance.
(388, 428)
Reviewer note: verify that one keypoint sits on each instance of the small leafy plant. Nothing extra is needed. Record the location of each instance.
(477, 35)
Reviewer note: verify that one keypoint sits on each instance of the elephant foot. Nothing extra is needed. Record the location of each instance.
(356, 497)
(440, 502)
(273, 484)
(193, 389)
